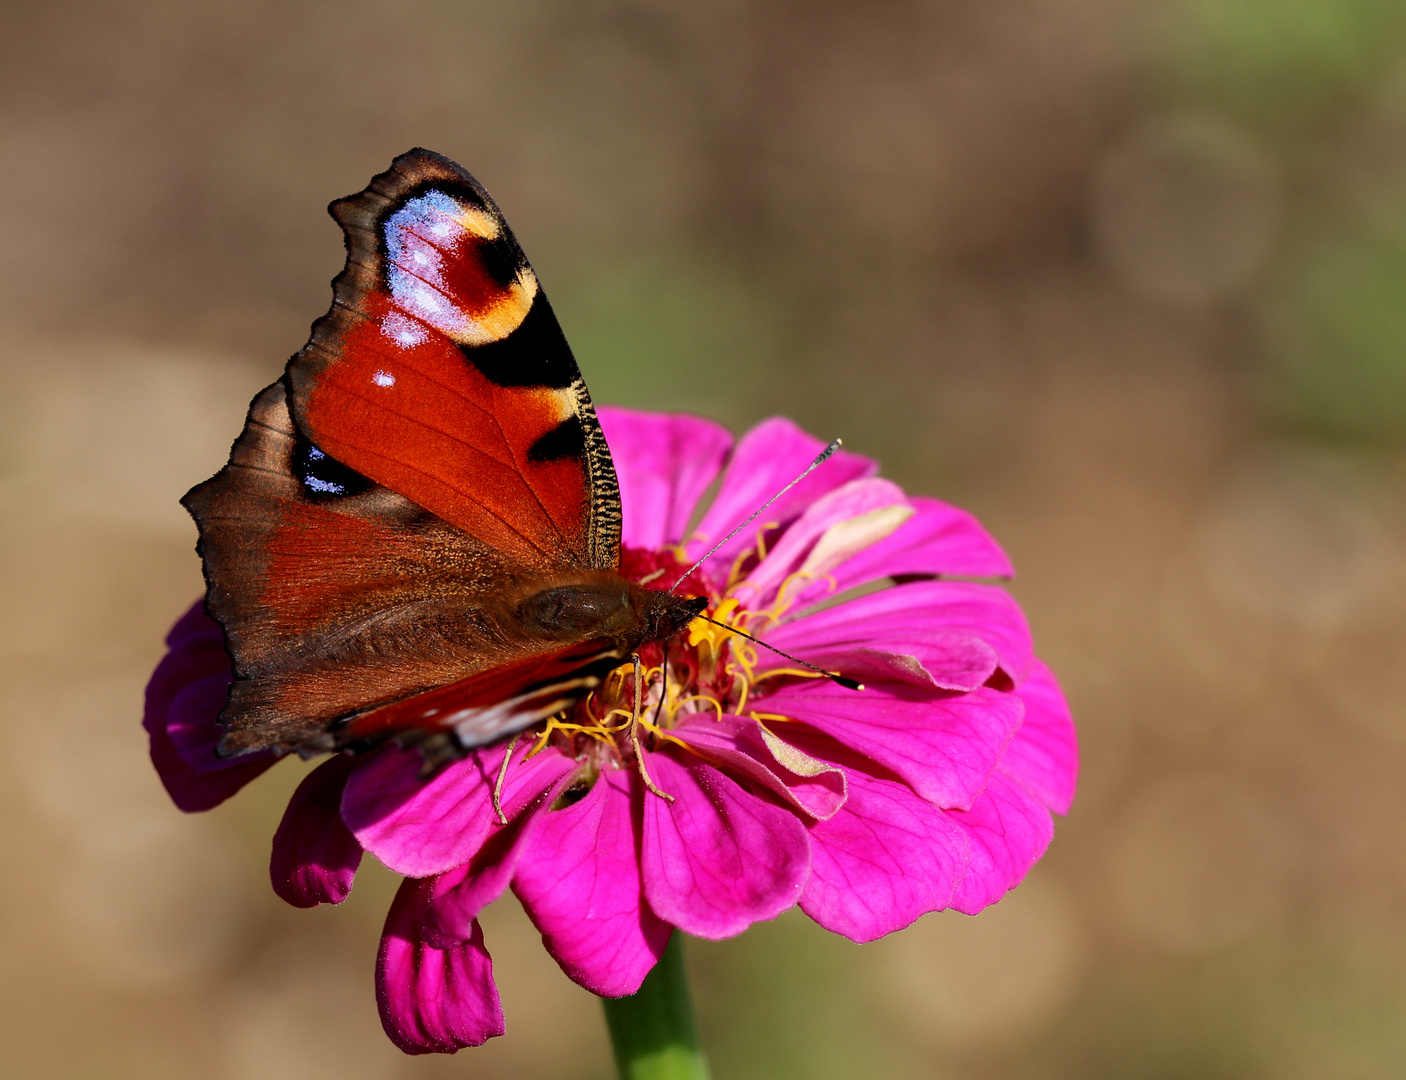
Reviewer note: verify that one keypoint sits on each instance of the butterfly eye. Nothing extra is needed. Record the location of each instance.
(325, 477)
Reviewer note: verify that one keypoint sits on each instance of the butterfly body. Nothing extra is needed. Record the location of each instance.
(417, 533)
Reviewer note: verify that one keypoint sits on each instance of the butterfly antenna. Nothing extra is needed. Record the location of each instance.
(820, 459)
(847, 683)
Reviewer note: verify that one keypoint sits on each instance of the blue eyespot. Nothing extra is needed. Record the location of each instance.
(323, 476)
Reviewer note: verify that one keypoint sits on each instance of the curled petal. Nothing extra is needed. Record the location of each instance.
(1044, 755)
(1009, 830)
(882, 861)
(183, 701)
(743, 747)
(765, 460)
(315, 856)
(939, 539)
(424, 827)
(580, 883)
(433, 1001)
(718, 858)
(937, 662)
(835, 526)
(664, 463)
(943, 745)
(924, 610)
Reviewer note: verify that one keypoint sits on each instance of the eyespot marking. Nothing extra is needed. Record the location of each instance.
(324, 477)
(566, 440)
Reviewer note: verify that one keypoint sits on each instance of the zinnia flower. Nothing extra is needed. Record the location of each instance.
(931, 788)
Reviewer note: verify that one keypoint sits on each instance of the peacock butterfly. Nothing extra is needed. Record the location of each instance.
(417, 535)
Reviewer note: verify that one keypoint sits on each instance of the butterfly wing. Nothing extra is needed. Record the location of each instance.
(441, 373)
(428, 460)
(489, 705)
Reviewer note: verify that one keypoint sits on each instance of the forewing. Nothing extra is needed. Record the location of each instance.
(335, 602)
(441, 373)
(429, 458)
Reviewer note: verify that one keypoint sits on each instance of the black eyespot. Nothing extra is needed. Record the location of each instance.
(323, 477)
(566, 440)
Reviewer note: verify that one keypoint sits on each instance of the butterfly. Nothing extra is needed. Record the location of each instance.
(417, 535)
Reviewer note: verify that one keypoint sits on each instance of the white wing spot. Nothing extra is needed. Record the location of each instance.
(405, 332)
(382, 378)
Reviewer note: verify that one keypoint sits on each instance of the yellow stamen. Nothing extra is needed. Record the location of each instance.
(714, 702)
(790, 671)
(760, 717)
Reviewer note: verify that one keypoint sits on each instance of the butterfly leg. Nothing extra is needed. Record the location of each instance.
(502, 776)
(635, 731)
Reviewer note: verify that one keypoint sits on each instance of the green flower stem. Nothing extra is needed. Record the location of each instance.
(652, 1031)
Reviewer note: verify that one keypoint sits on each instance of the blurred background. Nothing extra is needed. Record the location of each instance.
(1125, 277)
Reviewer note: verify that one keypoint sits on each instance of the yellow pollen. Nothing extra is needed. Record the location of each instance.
(702, 632)
(722, 669)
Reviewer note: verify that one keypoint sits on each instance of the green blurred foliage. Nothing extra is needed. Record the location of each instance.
(793, 1000)
(636, 327)
(1280, 61)
(1339, 339)
(1303, 76)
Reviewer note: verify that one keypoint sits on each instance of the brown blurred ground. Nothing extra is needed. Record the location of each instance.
(1125, 278)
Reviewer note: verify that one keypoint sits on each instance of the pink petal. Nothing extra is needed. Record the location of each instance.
(433, 1001)
(845, 503)
(1044, 755)
(315, 856)
(913, 613)
(183, 702)
(717, 858)
(943, 745)
(938, 539)
(191, 724)
(885, 859)
(580, 882)
(664, 463)
(456, 897)
(1009, 831)
(195, 625)
(766, 459)
(424, 827)
(741, 746)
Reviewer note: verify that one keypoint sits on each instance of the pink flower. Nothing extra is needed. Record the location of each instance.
(931, 788)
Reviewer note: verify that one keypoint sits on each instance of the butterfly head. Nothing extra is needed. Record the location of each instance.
(667, 614)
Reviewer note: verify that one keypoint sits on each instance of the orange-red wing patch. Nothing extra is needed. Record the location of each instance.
(441, 373)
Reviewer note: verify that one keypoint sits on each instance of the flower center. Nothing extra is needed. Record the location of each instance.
(706, 670)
